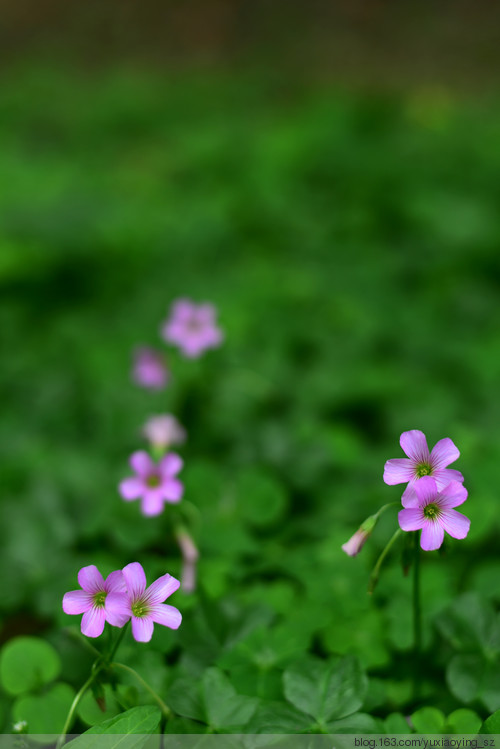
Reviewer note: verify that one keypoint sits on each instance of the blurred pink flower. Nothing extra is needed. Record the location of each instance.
(155, 483)
(432, 511)
(149, 369)
(190, 556)
(420, 462)
(354, 545)
(164, 430)
(99, 601)
(192, 327)
(145, 605)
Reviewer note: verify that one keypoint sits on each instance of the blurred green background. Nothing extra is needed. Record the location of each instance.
(344, 220)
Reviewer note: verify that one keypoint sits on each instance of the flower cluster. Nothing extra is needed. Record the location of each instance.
(154, 483)
(433, 490)
(122, 597)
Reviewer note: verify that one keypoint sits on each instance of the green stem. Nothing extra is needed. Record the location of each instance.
(74, 705)
(118, 640)
(376, 570)
(417, 613)
(163, 707)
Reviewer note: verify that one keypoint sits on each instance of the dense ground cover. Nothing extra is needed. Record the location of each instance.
(350, 244)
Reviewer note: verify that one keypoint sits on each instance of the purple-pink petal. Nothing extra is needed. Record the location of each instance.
(115, 582)
(153, 503)
(76, 602)
(173, 489)
(93, 622)
(454, 523)
(162, 588)
(443, 453)
(135, 579)
(90, 579)
(432, 535)
(182, 309)
(453, 494)
(142, 628)
(169, 616)
(170, 465)
(409, 497)
(398, 471)
(117, 609)
(411, 519)
(131, 488)
(443, 476)
(426, 490)
(206, 313)
(414, 444)
(142, 463)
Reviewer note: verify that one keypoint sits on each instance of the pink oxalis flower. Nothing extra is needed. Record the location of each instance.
(164, 430)
(432, 511)
(155, 483)
(149, 369)
(420, 462)
(192, 327)
(145, 605)
(99, 601)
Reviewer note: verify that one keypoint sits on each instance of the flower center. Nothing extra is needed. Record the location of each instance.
(431, 511)
(153, 481)
(100, 599)
(140, 608)
(423, 469)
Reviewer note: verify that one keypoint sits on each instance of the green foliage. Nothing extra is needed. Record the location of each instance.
(130, 730)
(27, 663)
(45, 713)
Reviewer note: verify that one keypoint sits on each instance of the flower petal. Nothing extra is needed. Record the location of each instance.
(135, 579)
(152, 503)
(169, 616)
(170, 465)
(443, 476)
(93, 622)
(432, 535)
(411, 519)
(117, 609)
(142, 629)
(443, 453)
(173, 489)
(142, 463)
(414, 444)
(398, 471)
(76, 602)
(90, 579)
(115, 582)
(426, 490)
(453, 494)
(454, 523)
(182, 309)
(409, 498)
(205, 313)
(162, 589)
(131, 488)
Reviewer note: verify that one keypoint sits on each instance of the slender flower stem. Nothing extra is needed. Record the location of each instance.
(118, 640)
(74, 705)
(376, 570)
(163, 707)
(417, 612)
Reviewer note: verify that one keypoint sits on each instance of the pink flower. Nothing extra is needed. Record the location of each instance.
(149, 369)
(355, 543)
(192, 327)
(164, 430)
(432, 511)
(145, 605)
(154, 482)
(190, 556)
(99, 600)
(420, 462)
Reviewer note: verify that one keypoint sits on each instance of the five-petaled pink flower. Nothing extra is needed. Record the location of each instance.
(431, 510)
(145, 605)
(99, 600)
(420, 462)
(156, 483)
(192, 327)
(149, 369)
